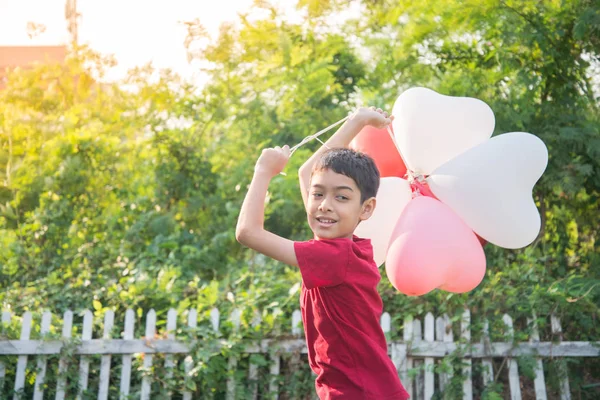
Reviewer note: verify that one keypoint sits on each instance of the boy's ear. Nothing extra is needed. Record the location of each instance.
(367, 208)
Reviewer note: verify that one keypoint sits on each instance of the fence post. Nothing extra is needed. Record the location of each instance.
(169, 358)
(486, 362)
(539, 382)
(465, 329)
(386, 323)
(62, 363)
(109, 319)
(84, 363)
(440, 328)
(38, 393)
(429, 361)
(443, 331)
(405, 362)
(147, 379)
(386, 326)
(297, 329)
(214, 319)
(274, 372)
(565, 390)
(419, 382)
(232, 362)
(253, 368)
(189, 362)
(22, 360)
(513, 369)
(126, 368)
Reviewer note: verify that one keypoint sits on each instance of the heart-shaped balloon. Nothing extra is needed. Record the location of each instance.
(431, 247)
(378, 144)
(426, 191)
(490, 188)
(431, 128)
(393, 195)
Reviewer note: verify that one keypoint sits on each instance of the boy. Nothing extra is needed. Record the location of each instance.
(339, 301)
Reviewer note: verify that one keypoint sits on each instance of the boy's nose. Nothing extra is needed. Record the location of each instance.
(324, 205)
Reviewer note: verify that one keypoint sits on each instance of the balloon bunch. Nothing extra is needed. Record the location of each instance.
(446, 188)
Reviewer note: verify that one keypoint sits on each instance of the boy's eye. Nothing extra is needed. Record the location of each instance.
(317, 195)
(340, 197)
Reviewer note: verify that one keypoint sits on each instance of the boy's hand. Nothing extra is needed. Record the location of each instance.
(273, 160)
(375, 117)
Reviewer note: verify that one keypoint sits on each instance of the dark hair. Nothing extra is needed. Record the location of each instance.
(358, 166)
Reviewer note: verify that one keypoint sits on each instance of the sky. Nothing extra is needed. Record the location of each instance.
(135, 31)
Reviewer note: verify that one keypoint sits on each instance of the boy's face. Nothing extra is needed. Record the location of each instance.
(334, 208)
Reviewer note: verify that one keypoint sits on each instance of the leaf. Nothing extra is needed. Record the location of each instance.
(190, 385)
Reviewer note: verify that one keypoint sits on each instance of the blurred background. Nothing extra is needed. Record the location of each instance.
(129, 131)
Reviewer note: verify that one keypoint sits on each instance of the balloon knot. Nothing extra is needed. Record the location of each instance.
(412, 176)
(419, 185)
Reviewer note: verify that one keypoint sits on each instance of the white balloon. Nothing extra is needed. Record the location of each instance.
(490, 188)
(431, 128)
(393, 195)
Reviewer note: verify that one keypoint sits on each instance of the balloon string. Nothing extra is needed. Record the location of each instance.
(316, 135)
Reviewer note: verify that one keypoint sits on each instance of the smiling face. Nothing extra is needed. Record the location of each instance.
(334, 206)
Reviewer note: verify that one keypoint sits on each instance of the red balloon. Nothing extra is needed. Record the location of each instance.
(378, 144)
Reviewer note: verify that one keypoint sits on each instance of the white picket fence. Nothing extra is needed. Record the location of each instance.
(414, 357)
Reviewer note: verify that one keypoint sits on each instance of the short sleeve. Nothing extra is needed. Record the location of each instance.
(323, 262)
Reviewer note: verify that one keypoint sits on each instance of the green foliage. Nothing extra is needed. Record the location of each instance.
(126, 195)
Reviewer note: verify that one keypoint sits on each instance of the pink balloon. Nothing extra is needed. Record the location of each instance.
(431, 247)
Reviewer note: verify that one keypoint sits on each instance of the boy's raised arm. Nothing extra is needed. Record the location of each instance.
(342, 138)
(250, 229)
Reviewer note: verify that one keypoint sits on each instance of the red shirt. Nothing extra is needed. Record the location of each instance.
(341, 309)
